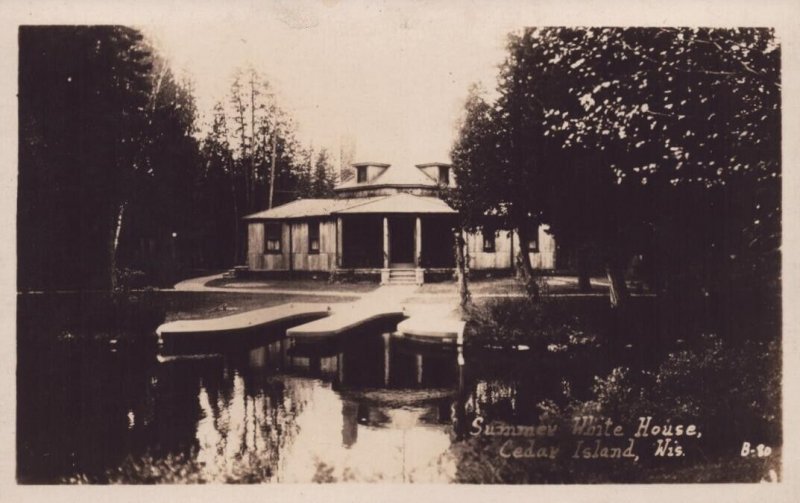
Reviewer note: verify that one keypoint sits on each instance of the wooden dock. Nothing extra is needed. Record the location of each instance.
(435, 329)
(345, 318)
(209, 335)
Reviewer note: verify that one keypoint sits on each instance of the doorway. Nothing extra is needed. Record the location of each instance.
(401, 242)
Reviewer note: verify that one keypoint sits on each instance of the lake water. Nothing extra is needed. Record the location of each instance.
(367, 406)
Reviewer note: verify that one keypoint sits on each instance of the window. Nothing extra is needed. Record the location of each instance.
(533, 244)
(313, 236)
(361, 174)
(272, 237)
(444, 175)
(488, 240)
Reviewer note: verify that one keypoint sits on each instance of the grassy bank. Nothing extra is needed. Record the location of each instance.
(132, 313)
(310, 285)
(631, 364)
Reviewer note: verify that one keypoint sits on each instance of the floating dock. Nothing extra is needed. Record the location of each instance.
(210, 335)
(433, 329)
(343, 319)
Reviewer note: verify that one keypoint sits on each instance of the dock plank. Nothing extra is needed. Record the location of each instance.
(344, 319)
(238, 331)
(245, 321)
(441, 329)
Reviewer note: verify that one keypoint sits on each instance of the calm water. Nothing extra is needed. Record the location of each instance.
(365, 407)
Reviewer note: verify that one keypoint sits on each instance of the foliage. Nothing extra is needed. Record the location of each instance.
(85, 102)
(684, 127)
(105, 121)
(494, 185)
(181, 468)
(324, 176)
(128, 279)
(726, 389)
(473, 152)
(627, 141)
(248, 133)
(548, 325)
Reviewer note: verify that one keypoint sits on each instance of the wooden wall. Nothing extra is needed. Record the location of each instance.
(502, 258)
(325, 260)
(301, 259)
(499, 259)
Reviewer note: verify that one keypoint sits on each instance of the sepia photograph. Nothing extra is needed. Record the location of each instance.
(377, 243)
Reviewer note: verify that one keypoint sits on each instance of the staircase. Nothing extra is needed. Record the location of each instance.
(402, 277)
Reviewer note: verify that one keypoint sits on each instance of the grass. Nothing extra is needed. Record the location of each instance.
(205, 305)
(506, 286)
(136, 313)
(294, 284)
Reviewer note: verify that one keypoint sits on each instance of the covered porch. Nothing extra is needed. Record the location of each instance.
(400, 236)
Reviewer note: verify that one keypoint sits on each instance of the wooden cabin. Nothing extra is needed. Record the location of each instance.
(388, 223)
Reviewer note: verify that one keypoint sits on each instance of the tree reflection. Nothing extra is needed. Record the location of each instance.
(248, 418)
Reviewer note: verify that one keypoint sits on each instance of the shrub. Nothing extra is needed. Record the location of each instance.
(546, 325)
(731, 390)
(128, 279)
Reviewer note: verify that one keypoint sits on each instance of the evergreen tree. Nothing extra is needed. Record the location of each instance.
(85, 100)
(324, 179)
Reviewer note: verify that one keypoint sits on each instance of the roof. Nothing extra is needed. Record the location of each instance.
(434, 164)
(393, 175)
(306, 208)
(401, 203)
(397, 203)
(370, 163)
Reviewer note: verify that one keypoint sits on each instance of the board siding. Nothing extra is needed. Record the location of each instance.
(325, 260)
(501, 258)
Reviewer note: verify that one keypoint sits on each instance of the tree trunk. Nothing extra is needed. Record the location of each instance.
(618, 289)
(461, 272)
(525, 269)
(272, 167)
(252, 195)
(116, 230)
(236, 238)
(584, 282)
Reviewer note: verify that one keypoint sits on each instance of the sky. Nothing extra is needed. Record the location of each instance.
(391, 77)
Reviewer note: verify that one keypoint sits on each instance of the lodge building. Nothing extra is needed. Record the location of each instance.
(388, 223)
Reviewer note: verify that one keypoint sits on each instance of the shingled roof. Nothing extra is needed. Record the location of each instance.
(396, 203)
(401, 203)
(395, 176)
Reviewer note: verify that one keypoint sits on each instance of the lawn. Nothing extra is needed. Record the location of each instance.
(484, 286)
(198, 305)
(505, 286)
(319, 285)
(138, 313)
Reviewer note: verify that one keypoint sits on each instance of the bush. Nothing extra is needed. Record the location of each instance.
(731, 390)
(181, 468)
(128, 279)
(547, 325)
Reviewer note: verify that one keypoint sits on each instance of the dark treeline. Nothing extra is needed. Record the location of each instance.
(652, 150)
(117, 185)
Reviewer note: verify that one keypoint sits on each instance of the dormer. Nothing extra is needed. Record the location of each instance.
(440, 172)
(366, 172)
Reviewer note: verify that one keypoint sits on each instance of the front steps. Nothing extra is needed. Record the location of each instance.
(402, 276)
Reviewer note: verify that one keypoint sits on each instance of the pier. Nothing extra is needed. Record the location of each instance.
(210, 335)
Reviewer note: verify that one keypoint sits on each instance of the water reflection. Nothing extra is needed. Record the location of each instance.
(365, 407)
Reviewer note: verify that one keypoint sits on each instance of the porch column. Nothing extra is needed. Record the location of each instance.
(385, 270)
(387, 358)
(339, 241)
(419, 273)
(385, 242)
(418, 242)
